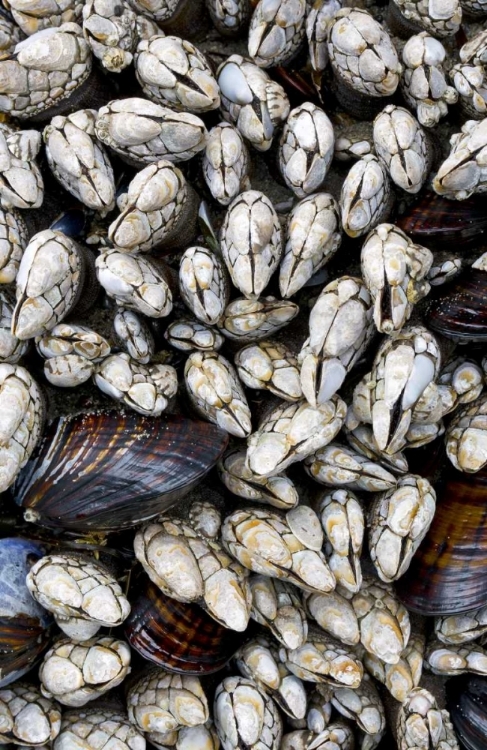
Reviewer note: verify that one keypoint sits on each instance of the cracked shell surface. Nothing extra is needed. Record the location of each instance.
(362, 53)
(291, 432)
(173, 72)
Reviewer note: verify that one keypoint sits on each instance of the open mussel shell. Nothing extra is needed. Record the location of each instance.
(24, 624)
(438, 223)
(448, 573)
(459, 312)
(467, 704)
(179, 637)
(110, 471)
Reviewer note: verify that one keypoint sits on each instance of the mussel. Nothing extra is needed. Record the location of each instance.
(109, 471)
(467, 703)
(460, 310)
(448, 573)
(179, 637)
(437, 222)
(24, 624)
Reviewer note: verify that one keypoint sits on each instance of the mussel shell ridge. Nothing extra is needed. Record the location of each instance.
(179, 637)
(106, 472)
(467, 704)
(448, 573)
(460, 311)
(440, 223)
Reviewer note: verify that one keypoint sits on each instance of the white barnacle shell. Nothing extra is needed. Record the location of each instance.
(276, 31)
(203, 283)
(306, 149)
(135, 282)
(421, 716)
(156, 203)
(251, 100)
(13, 240)
(157, 10)
(185, 334)
(48, 285)
(466, 437)
(364, 705)
(73, 587)
(21, 420)
(189, 568)
(251, 242)
(340, 328)
(441, 18)
(44, 69)
(343, 521)
(92, 728)
(383, 621)
(464, 171)
(135, 335)
(172, 71)
(245, 716)
(401, 144)
(163, 702)
(339, 466)
(68, 370)
(79, 162)
(313, 237)
(317, 22)
(147, 390)
(398, 522)
(229, 17)
(424, 84)
(270, 365)
(215, 391)
(35, 15)
(394, 270)
(11, 348)
(365, 196)
(362, 53)
(225, 163)
(278, 491)
(253, 319)
(27, 716)
(403, 368)
(75, 673)
(110, 30)
(143, 132)
(291, 432)
(69, 338)
(271, 544)
(21, 183)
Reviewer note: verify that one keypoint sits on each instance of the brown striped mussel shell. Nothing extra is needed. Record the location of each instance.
(448, 573)
(467, 704)
(106, 472)
(459, 312)
(179, 637)
(438, 223)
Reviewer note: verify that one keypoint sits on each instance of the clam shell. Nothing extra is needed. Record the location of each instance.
(111, 471)
(179, 637)
(448, 573)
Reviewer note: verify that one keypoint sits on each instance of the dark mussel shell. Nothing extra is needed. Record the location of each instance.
(179, 637)
(467, 704)
(24, 624)
(110, 471)
(441, 224)
(459, 312)
(448, 573)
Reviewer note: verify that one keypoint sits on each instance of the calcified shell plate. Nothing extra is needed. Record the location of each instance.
(110, 471)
